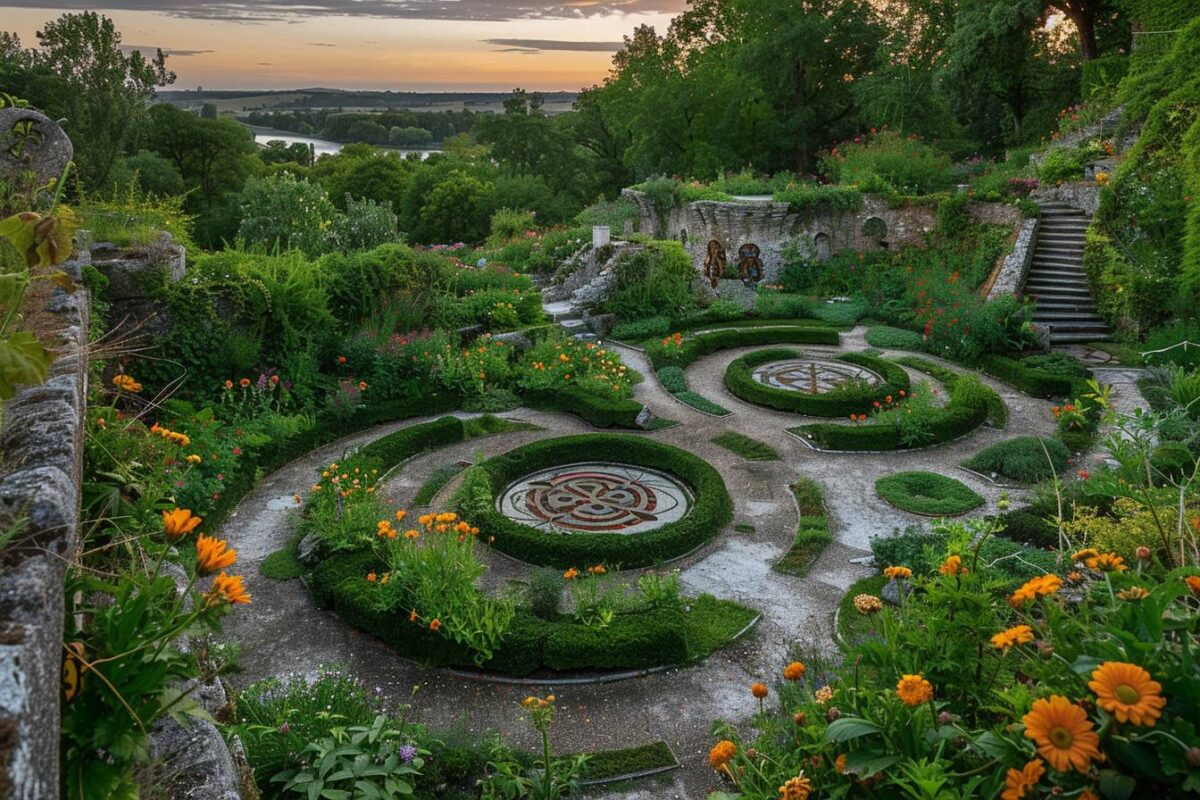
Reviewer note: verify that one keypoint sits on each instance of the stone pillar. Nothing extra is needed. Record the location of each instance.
(601, 235)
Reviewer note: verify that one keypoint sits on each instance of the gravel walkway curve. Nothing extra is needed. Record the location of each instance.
(283, 632)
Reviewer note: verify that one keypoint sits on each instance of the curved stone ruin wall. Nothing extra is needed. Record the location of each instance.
(774, 227)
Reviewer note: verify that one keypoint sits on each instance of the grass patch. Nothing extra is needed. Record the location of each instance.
(711, 623)
(890, 338)
(609, 764)
(699, 403)
(662, 423)
(1123, 353)
(747, 448)
(812, 531)
(283, 564)
(437, 481)
(487, 425)
(852, 626)
(927, 493)
(997, 411)
(1025, 460)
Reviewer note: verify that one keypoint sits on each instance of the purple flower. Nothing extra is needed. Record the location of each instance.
(285, 728)
(407, 753)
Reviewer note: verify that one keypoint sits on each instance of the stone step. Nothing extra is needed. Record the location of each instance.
(573, 325)
(1064, 223)
(1076, 327)
(1072, 244)
(1076, 338)
(1057, 279)
(1057, 304)
(1055, 317)
(1058, 256)
(1060, 294)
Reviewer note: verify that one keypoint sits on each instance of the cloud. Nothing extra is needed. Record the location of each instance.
(523, 51)
(537, 45)
(257, 11)
(321, 44)
(149, 49)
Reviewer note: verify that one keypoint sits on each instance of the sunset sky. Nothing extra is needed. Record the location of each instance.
(419, 45)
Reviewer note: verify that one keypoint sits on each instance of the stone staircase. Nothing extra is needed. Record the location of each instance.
(1057, 281)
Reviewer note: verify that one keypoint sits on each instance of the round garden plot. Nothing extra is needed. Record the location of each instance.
(596, 497)
(789, 380)
(813, 375)
(928, 493)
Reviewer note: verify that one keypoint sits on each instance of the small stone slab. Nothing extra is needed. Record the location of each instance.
(31, 141)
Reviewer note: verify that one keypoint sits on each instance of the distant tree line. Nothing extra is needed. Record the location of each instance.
(396, 128)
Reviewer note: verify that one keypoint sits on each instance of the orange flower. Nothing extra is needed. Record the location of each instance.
(721, 754)
(1193, 583)
(126, 383)
(193, 459)
(1127, 692)
(1041, 586)
(794, 671)
(1107, 562)
(435, 624)
(1063, 733)
(362, 386)
(213, 555)
(839, 763)
(913, 690)
(1083, 555)
(797, 788)
(1020, 783)
(227, 589)
(179, 522)
(952, 566)
(228, 384)
(897, 573)
(1020, 634)
(412, 615)
(371, 577)
(597, 570)
(759, 690)
(244, 383)
(867, 604)
(571, 574)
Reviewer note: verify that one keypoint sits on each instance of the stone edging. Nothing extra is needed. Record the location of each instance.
(1012, 274)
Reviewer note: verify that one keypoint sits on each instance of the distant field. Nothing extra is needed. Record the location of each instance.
(238, 102)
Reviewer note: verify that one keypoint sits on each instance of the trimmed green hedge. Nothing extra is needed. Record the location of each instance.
(962, 414)
(711, 510)
(927, 493)
(1021, 460)
(1031, 381)
(997, 411)
(634, 640)
(700, 345)
(739, 379)
(603, 412)
(812, 531)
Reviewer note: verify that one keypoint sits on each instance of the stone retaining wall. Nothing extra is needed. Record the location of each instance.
(1011, 277)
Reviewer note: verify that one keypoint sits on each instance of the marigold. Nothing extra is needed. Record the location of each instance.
(1127, 692)
(952, 566)
(1019, 783)
(1107, 562)
(1041, 586)
(126, 383)
(1134, 593)
(721, 754)
(868, 604)
(913, 690)
(571, 574)
(794, 671)
(179, 522)
(193, 459)
(1193, 583)
(213, 555)
(897, 573)
(1063, 733)
(797, 788)
(759, 690)
(839, 763)
(228, 589)
(1019, 634)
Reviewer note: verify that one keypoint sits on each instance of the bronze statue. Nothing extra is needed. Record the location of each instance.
(714, 262)
(750, 266)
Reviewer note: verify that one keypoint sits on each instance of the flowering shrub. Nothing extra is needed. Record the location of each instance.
(1078, 687)
(556, 362)
(904, 164)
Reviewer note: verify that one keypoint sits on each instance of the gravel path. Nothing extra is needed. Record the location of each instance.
(282, 632)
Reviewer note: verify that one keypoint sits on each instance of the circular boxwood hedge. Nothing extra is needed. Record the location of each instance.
(841, 402)
(927, 493)
(711, 511)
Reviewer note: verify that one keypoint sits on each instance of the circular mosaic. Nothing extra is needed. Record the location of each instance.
(595, 498)
(812, 375)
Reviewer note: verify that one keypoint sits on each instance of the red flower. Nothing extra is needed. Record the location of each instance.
(341, 359)
(1083, 474)
(237, 451)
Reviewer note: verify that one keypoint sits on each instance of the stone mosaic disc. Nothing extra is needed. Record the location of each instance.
(812, 375)
(595, 498)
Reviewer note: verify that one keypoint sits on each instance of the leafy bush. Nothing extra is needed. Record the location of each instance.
(812, 530)
(903, 164)
(288, 213)
(1058, 362)
(1061, 164)
(710, 512)
(889, 338)
(701, 403)
(673, 379)
(1024, 460)
(1030, 380)
(814, 199)
(850, 398)
(653, 281)
(1165, 345)
(927, 493)
(642, 329)
(687, 350)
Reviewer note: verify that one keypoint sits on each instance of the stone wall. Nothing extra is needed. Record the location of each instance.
(1010, 278)
(1084, 195)
(774, 227)
(41, 445)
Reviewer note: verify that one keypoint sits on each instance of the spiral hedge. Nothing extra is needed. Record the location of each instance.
(841, 402)
(711, 510)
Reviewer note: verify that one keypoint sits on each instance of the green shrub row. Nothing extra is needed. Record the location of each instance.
(602, 412)
(962, 414)
(890, 338)
(694, 347)
(675, 383)
(997, 411)
(711, 508)
(739, 379)
(927, 493)
(1033, 382)
(812, 531)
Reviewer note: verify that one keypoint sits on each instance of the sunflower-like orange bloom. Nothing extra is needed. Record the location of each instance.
(1084, 555)
(1193, 583)
(179, 522)
(228, 589)
(952, 566)
(213, 555)
(1020, 634)
(1019, 783)
(913, 690)
(126, 383)
(1063, 733)
(721, 754)
(1134, 593)
(867, 604)
(897, 573)
(797, 788)
(794, 671)
(571, 574)
(1127, 692)
(1041, 586)
(839, 763)
(1107, 562)
(759, 690)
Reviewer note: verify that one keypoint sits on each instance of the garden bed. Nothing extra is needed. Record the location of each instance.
(851, 397)
(681, 352)
(812, 530)
(928, 494)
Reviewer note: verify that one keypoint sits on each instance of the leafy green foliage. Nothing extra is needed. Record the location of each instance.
(927, 493)
(812, 530)
(748, 448)
(1025, 460)
(852, 397)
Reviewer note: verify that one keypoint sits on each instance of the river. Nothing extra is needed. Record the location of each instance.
(320, 146)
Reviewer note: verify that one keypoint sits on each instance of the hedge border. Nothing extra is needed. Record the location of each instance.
(959, 491)
(711, 511)
(739, 379)
(812, 531)
(601, 412)
(1033, 382)
(694, 347)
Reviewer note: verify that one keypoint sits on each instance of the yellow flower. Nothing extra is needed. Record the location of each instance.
(193, 459)
(1127, 692)
(228, 589)
(1019, 783)
(1083, 555)
(823, 695)
(897, 573)
(1040, 586)
(868, 604)
(179, 522)
(913, 690)
(1063, 734)
(1134, 593)
(1107, 562)
(213, 555)
(1020, 634)
(126, 383)
(952, 566)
